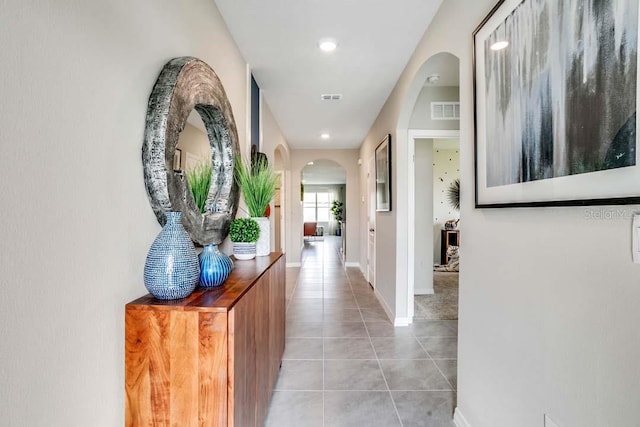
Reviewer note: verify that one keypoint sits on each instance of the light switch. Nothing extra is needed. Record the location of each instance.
(636, 238)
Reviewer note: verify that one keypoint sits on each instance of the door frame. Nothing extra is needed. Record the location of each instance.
(371, 215)
(283, 210)
(414, 134)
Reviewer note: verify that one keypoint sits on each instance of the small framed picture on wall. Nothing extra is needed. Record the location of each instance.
(383, 175)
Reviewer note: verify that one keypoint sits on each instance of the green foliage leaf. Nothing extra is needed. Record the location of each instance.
(257, 183)
(199, 182)
(337, 208)
(244, 230)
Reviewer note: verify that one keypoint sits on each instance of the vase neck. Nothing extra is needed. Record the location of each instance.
(210, 247)
(173, 217)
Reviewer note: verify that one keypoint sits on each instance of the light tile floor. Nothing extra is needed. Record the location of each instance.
(346, 365)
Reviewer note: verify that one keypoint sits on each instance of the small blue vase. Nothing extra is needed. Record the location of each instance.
(172, 270)
(215, 266)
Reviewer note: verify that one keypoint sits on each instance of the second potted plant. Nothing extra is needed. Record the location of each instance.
(257, 181)
(244, 233)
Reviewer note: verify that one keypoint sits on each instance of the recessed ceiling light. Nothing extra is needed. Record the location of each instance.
(328, 45)
(325, 136)
(499, 45)
(310, 163)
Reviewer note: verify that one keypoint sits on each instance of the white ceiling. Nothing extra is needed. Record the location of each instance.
(279, 39)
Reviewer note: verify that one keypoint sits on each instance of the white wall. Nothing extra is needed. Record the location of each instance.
(548, 297)
(386, 245)
(421, 116)
(76, 222)
(273, 139)
(348, 159)
(193, 141)
(424, 207)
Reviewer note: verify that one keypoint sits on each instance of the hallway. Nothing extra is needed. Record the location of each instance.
(344, 362)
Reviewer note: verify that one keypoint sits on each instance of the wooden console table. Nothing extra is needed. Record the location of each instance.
(210, 359)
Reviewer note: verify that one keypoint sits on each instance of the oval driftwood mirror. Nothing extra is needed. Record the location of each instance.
(186, 84)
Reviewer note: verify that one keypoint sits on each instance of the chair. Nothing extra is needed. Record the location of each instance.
(310, 229)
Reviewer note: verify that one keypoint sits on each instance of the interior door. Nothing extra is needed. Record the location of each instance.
(371, 222)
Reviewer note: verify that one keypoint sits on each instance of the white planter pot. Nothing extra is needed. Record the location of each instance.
(263, 245)
(244, 251)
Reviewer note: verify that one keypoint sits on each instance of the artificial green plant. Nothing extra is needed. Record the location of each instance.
(244, 230)
(199, 182)
(257, 182)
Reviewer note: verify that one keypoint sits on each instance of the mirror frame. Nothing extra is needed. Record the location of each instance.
(185, 84)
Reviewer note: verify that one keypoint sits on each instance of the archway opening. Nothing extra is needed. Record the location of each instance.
(280, 165)
(324, 190)
(433, 85)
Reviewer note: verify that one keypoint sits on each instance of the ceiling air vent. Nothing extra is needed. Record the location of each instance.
(331, 96)
(445, 111)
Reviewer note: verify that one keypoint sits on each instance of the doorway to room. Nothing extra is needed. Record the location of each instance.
(437, 161)
(434, 130)
(371, 222)
(280, 199)
(324, 190)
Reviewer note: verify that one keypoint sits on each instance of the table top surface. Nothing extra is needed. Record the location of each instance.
(221, 298)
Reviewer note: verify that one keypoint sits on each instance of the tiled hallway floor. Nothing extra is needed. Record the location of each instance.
(346, 365)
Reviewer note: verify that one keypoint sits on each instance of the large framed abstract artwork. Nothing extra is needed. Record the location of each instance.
(556, 93)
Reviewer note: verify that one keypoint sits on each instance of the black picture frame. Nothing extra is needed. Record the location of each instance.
(541, 137)
(383, 175)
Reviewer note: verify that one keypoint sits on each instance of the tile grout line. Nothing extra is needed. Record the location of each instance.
(331, 280)
(309, 267)
(435, 364)
(384, 377)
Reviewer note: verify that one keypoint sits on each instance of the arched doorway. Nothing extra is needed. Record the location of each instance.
(280, 200)
(436, 83)
(324, 194)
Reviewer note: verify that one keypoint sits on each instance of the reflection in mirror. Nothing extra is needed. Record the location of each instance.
(192, 160)
(193, 143)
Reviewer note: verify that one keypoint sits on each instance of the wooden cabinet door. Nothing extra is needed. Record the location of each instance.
(242, 361)
(277, 318)
(256, 325)
(263, 369)
(170, 368)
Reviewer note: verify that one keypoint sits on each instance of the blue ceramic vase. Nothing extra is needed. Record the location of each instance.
(172, 270)
(215, 266)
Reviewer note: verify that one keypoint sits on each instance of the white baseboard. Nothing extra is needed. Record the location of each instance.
(402, 321)
(423, 291)
(384, 305)
(397, 321)
(459, 420)
(353, 264)
(293, 264)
